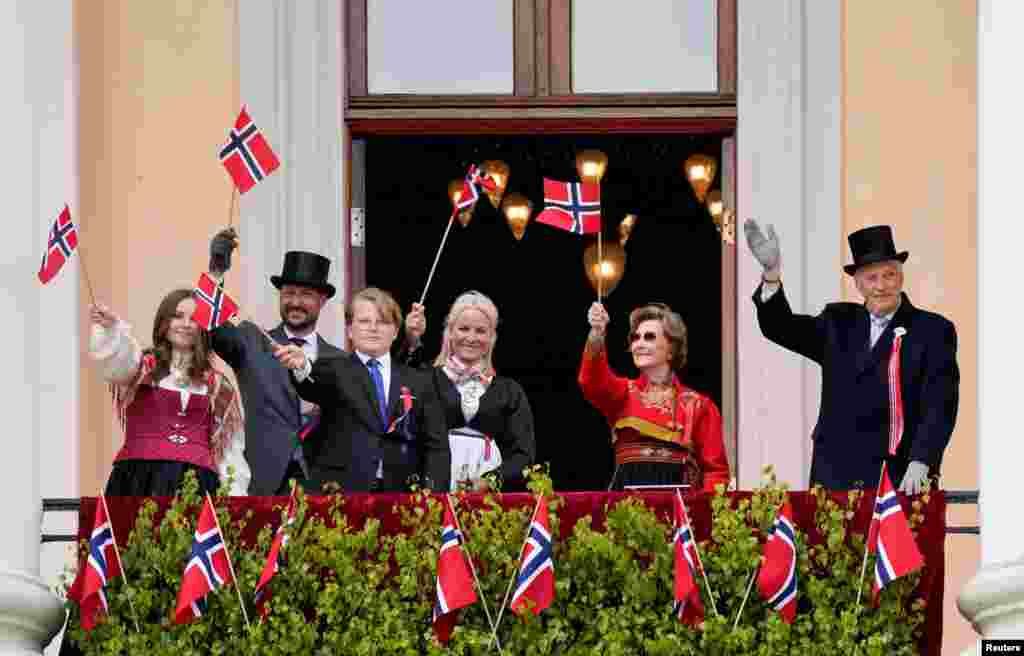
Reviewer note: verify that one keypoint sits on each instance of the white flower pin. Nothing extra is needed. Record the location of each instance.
(900, 331)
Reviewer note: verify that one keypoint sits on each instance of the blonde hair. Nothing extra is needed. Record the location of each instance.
(471, 300)
(671, 324)
(385, 303)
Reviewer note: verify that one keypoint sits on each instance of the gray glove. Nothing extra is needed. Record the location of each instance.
(915, 480)
(221, 247)
(764, 247)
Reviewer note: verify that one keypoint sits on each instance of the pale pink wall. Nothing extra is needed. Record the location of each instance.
(910, 156)
(159, 90)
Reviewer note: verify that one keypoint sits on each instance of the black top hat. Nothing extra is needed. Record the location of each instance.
(870, 245)
(306, 269)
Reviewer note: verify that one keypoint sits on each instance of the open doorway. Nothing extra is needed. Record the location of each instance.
(673, 256)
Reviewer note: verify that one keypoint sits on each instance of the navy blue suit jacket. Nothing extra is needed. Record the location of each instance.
(851, 438)
(268, 396)
(352, 438)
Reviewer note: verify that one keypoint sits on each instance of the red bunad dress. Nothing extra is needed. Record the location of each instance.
(169, 427)
(662, 435)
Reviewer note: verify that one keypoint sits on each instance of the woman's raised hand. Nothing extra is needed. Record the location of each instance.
(598, 318)
(102, 315)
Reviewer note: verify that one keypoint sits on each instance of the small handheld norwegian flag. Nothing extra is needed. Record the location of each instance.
(60, 245)
(247, 156)
(572, 206)
(777, 579)
(536, 579)
(275, 559)
(208, 567)
(454, 580)
(102, 565)
(687, 604)
(890, 538)
(213, 305)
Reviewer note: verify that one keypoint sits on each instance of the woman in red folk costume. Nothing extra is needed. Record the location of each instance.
(178, 412)
(664, 433)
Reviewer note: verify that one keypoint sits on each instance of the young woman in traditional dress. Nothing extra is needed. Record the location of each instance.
(664, 433)
(178, 411)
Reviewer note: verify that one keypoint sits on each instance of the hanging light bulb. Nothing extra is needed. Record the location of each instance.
(517, 213)
(700, 170)
(715, 207)
(604, 273)
(591, 165)
(499, 172)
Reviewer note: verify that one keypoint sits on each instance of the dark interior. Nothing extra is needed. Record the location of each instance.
(538, 284)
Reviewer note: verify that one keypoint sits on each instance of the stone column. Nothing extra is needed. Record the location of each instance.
(993, 601)
(788, 174)
(36, 47)
(292, 77)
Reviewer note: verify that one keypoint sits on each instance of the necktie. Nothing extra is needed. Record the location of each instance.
(298, 341)
(878, 325)
(378, 382)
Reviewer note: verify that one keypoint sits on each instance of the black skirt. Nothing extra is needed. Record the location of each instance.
(649, 473)
(156, 478)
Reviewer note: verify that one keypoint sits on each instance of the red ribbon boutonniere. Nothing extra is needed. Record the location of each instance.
(407, 399)
(148, 362)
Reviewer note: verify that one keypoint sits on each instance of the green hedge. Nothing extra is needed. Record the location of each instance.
(347, 591)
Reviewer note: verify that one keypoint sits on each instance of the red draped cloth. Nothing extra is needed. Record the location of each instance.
(359, 507)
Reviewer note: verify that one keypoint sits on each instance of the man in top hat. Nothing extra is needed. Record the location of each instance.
(858, 350)
(276, 419)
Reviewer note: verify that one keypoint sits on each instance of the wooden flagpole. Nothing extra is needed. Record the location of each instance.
(867, 543)
(124, 574)
(696, 550)
(231, 208)
(231, 567)
(85, 272)
(753, 575)
(476, 579)
(515, 574)
(437, 257)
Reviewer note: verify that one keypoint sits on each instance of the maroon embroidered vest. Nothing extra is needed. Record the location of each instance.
(156, 428)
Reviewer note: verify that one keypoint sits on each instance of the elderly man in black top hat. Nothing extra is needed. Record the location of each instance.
(861, 348)
(275, 417)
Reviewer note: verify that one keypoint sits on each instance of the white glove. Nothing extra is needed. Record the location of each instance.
(764, 247)
(915, 480)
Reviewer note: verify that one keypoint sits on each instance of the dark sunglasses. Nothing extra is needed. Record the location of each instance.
(647, 336)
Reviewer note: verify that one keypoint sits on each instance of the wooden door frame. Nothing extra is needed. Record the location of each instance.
(368, 128)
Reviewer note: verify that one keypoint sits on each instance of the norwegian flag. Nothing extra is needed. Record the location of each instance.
(687, 607)
(208, 568)
(536, 580)
(777, 579)
(572, 206)
(275, 560)
(475, 178)
(890, 538)
(102, 565)
(247, 156)
(60, 245)
(454, 580)
(213, 305)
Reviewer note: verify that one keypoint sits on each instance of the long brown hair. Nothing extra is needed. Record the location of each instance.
(161, 350)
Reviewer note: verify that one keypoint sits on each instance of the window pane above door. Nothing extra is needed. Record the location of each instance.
(439, 47)
(654, 46)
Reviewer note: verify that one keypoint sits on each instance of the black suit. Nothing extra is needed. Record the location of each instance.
(352, 439)
(271, 403)
(851, 437)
